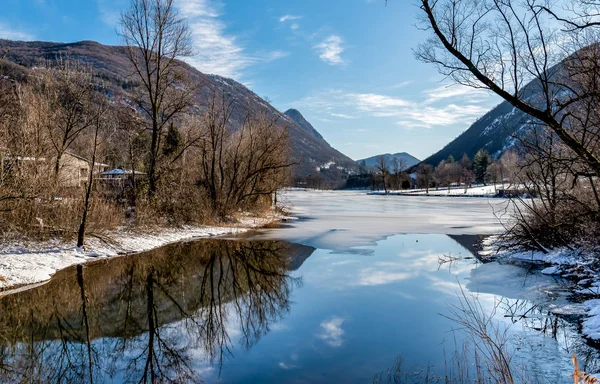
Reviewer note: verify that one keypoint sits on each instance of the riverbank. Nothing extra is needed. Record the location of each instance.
(456, 191)
(575, 264)
(25, 263)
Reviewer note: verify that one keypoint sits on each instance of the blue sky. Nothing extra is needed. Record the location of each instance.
(347, 65)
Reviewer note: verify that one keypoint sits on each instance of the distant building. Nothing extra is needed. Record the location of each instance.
(73, 169)
(120, 177)
(121, 174)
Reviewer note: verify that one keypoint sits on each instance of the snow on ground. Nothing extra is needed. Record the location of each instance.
(559, 258)
(325, 166)
(34, 262)
(577, 265)
(475, 191)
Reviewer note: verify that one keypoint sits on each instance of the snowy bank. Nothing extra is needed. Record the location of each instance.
(24, 263)
(581, 267)
(475, 191)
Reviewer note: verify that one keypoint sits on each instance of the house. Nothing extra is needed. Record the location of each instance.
(121, 174)
(73, 169)
(117, 181)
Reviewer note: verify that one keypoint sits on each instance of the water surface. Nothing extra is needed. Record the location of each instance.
(338, 304)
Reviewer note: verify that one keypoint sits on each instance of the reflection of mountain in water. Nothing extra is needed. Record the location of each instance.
(472, 243)
(149, 309)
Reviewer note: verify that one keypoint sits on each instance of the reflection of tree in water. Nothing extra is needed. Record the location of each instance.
(562, 328)
(147, 318)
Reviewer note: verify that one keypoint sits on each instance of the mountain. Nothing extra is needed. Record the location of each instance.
(315, 157)
(499, 129)
(297, 117)
(408, 159)
(492, 132)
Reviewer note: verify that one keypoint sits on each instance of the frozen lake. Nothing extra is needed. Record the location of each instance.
(344, 220)
(336, 296)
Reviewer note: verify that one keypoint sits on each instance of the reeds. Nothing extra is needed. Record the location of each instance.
(581, 377)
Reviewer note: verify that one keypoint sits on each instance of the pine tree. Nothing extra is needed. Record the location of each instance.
(480, 164)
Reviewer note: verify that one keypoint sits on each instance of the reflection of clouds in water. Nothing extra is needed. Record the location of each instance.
(405, 295)
(370, 276)
(354, 271)
(332, 332)
(345, 262)
(385, 272)
(278, 326)
(444, 286)
(286, 366)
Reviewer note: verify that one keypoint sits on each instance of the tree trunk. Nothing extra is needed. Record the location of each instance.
(86, 323)
(149, 367)
(153, 154)
(88, 194)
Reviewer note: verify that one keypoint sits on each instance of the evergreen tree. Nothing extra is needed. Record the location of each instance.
(481, 161)
(362, 168)
(172, 141)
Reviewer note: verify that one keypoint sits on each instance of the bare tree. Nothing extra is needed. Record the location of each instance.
(443, 174)
(494, 173)
(383, 168)
(25, 177)
(502, 45)
(98, 137)
(467, 174)
(543, 59)
(398, 165)
(424, 176)
(70, 89)
(132, 134)
(156, 36)
(239, 167)
(510, 166)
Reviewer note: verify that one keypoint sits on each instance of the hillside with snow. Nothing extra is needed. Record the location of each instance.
(404, 158)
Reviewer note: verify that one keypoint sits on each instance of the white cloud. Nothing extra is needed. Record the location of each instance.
(454, 91)
(285, 18)
(343, 116)
(410, 125)
(374, 102)
(291, 21)
(402, 84)
(273, 55)
(216, 50)
(332, 332)
(330, 50)
(110, 14)
(410, 114)
(197, 8)
(11, 33)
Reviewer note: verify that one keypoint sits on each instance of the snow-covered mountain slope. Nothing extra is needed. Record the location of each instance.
(408, 159)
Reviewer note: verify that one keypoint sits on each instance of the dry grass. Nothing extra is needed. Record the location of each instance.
(581, 377)
(41, 219)
(485, 357)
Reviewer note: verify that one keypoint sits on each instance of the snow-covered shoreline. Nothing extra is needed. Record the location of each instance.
(574, 264)
(474, 191)
(25, 263)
